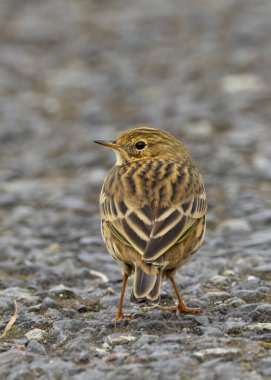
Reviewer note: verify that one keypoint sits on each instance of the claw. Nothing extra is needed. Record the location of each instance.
(182, 309)
(122, 316)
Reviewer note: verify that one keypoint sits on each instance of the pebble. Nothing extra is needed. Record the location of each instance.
(262, 313)
(220, 281)
(237, 226)
(247, 295)
(215, 297)
(6, 304)
(35, 334)
(116, 338)
(259, 327)
(263, 271)
(233, 327)
(18, 294)
(36, 347)
(264, 367)
(216, 352)
(236, 83)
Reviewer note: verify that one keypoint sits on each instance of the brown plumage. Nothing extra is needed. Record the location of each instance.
(153, 207)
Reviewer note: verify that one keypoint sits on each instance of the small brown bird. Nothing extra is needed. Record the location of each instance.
(153, 207)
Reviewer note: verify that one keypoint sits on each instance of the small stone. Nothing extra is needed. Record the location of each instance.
(220, 281)
(172, 338)
(264, 367)
(22, 372)
(53, 314)
(262, 166)
(247, 295)
(216, 352)
(82, 309)
(68, 313)
(264, 271)
(230, 303)
(215, 297)
(202, 129)
(35, 347)
(116, 338)
(6, 304)
(144, 339)
(229, 273)
(108, 301)
(90, 240)
(259, 327)
(96, 176)
(237, 226)
(262, 313)
(262, 216)
(252, 283)
(233, 328)
(21, 213)
(245, 82)
(49, 303)
(53, 247)
(18, 294)
(123, 322)
(35, 334)
(258, 238)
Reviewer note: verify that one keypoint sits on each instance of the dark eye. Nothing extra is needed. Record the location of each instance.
(140, 145)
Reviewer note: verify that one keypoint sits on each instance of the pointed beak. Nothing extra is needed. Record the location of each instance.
(108, 143)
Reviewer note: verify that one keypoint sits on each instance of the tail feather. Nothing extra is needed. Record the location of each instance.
(145, 286)
(155, 292)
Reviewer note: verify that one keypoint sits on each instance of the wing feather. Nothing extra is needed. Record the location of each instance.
(151, 230)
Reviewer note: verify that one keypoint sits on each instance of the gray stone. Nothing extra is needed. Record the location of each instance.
(229, 352)
(259, 327)
(35, 334)
(247, 295)
(263, 271)
(236, 226)
(220, 281)
(35, 347)
(264, 367)
(262, 313)
(48, 302)
(22, 372)
(215, 297)
(233, 327)
(18, 294)
(6, 305)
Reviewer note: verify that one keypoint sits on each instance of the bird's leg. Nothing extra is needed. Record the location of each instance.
(119, 314)
(181, 307)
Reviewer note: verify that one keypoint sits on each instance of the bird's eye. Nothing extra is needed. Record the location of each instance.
(140, 145)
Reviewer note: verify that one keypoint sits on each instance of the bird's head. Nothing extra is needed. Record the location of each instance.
(144, 142)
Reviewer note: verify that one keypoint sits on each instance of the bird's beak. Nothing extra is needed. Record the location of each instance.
(108, 143)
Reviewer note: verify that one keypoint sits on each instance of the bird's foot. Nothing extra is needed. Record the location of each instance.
(120, 316)
(182, 308)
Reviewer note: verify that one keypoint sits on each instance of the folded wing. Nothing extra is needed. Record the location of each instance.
(151, 230)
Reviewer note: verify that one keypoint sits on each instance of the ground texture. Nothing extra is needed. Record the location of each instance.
(73, 71)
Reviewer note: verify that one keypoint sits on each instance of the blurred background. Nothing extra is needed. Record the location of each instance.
(72, 71)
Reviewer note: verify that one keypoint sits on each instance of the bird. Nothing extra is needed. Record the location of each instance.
(153, 207)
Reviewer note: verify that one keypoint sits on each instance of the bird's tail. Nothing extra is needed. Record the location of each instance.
(146, 286)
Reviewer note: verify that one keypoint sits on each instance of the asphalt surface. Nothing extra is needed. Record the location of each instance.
(75, 71)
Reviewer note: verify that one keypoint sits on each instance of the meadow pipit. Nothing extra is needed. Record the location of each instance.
(153, 207)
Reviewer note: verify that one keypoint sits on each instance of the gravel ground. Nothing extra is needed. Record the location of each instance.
(72, 71)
